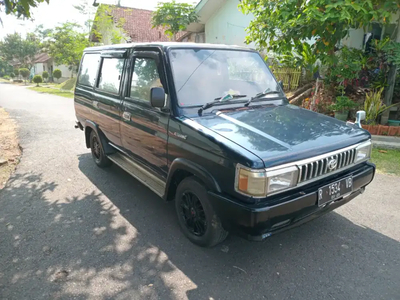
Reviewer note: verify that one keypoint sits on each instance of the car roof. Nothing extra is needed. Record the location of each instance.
(167, 45)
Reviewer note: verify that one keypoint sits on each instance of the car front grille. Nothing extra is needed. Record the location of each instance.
(321, 167)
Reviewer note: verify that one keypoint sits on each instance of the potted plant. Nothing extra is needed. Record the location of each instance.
(342, 107)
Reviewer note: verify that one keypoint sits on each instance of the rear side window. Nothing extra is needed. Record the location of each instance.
(87, 75)
(110, 75)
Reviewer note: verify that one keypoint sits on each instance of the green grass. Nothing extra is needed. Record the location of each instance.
(387, 161)
(46, 90)
(68, 85)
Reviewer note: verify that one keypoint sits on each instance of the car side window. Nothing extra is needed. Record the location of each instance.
(88, 72)
(144, 77)
(110, 75)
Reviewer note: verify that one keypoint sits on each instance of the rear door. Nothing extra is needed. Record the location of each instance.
(84, 93)
(143, 127)
(107, 96)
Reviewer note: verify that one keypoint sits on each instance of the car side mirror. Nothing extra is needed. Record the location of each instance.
(157, 97)
(360, 116)
(281, 84)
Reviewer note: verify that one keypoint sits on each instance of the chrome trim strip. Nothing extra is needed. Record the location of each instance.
(313, 159)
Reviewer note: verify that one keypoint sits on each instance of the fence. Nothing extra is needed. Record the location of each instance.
(289, 76)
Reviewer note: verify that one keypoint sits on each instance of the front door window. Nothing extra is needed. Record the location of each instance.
(144, 77)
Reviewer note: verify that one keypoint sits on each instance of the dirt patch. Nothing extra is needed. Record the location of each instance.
(10, 151)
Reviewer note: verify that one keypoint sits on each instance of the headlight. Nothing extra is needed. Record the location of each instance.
(260, 183)
(363, 152)
(250, 182)
(282, 179)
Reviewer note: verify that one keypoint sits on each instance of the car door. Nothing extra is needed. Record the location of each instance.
(143, 127)
(108, 95)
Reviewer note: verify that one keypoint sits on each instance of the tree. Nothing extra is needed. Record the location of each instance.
(106, 29)
(57, 74)
(66, 45)
(86, 8)
(14, 47)
(37, 79)
(174, 17)
(45, 75)
(283, 26)
(24, 73)
(20, 8)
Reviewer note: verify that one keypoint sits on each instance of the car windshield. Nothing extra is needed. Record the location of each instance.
(201, 75)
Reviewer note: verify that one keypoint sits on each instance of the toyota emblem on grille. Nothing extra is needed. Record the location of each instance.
(332, 164)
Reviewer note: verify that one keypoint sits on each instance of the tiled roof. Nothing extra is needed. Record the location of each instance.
(41, 58)
(137, 24)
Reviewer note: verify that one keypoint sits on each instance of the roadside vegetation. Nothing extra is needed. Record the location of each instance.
(9, 148)
(387, 161)
(52, 91)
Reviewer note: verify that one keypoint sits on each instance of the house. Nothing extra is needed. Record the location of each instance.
(132, 23)
(43, 62)
(221, 22)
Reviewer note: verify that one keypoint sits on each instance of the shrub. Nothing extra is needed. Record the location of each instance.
(342, 104)
(6, 77)
(374, 106)
(45, 75)
(12, 75)
(37, 79)
(57, 74)
(24, 73)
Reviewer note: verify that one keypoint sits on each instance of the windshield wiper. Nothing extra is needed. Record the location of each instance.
(218, 101)
(260, 95)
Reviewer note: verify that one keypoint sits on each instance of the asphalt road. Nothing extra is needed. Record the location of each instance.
(69, 230)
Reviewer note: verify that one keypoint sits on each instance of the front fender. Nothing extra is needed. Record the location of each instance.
(181, 164)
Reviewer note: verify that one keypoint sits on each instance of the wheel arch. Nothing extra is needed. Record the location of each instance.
(91, 126)
(183, 168)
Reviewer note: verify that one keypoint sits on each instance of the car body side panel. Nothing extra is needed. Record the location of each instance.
(144, 136)
(109, 107)
(209, 150)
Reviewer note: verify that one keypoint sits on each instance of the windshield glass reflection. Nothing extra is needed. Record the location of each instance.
(201, 75)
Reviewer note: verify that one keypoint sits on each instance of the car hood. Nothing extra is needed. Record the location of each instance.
(282, 134)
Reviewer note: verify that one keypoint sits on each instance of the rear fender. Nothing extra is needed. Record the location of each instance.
(89, 125)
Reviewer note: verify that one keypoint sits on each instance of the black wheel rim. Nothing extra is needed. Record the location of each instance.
(193, 214)
(96, 148)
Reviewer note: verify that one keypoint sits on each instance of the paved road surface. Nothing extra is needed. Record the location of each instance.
(69, 230)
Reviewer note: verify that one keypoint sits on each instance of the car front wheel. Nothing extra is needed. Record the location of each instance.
(196, 216)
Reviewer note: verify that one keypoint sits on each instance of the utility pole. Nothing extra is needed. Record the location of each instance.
(391, 82)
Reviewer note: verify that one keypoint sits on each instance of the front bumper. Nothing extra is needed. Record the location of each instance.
(257, 222)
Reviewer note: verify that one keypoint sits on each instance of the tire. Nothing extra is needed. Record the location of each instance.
(196, 216)
(98, 155)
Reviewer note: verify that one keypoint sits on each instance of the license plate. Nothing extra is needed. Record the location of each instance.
(335, 190)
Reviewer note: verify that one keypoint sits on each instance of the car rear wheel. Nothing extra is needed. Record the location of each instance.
(98, 155)
(196, 216)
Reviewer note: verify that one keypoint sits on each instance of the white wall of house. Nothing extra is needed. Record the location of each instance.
(66, 73)
(227, 25)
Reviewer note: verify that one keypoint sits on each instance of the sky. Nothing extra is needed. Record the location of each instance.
(60, 11)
